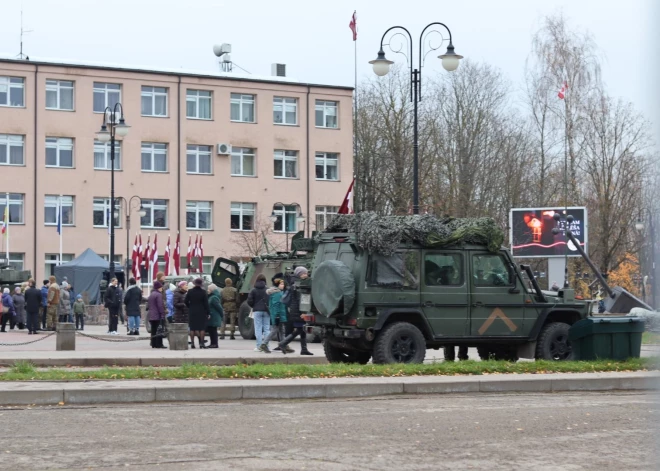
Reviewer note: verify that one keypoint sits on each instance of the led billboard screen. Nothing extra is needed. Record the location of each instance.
(532, 236)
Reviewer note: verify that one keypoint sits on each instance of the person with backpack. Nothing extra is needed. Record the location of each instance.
(278, 317)
(292, 300)
(258, 301)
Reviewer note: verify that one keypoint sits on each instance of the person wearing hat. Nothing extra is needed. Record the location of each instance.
(79, 312)
(198, 312)
(215, 320)
(32, 305)
(169, 296)
(156, 314)
(300, 273)
(53, 301)
(65, 302)
(132, 300)
(19, 305)
(179, 303)
(229, 298)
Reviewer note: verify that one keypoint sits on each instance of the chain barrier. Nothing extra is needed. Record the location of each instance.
(121, 340)
(27, 343)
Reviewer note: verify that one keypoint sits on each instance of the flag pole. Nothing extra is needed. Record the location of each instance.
(566, 190)
(356, 169)
(6, 217)
(61, 227)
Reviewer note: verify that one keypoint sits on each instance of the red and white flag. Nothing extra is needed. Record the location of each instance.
(146, 256)
(347, 205)
(168, 258)
(353, 25)
(135, 268)
(139, 258)
(200, 254)
(154, 257)
(189, 253)
(562, 91)
(177, 257)
(195, 252)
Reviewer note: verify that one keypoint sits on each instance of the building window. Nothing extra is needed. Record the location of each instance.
(207, 264)
(53, 260)
(52, 206)
(154, 101)
(15, 202)
(242, 216)
(156, 216)
(154, 157)
(288, 214)
(199, 215)
(285, 110)
(324, 215)
(198, 159)
(11, 149)
(242, 108)
(242, 162)
(106, 257)
(59, 95)
(12, 91)
(102, 155)
(198, 104)
(326, 166)
(59, 152)
(106, 95)
(102, 212)
(286, 164)
(326, 114)
(17, 260)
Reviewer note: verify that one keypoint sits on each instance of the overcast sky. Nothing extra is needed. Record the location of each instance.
(313, 37)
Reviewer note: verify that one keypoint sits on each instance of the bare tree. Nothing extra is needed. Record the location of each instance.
(253, 243)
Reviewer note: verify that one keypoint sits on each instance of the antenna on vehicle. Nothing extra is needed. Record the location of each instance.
(23, 31)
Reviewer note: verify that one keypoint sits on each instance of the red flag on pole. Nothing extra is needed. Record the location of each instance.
(154, 257)
(195, 250)
(353, 25)
(200, 254)
(139, 258)
(347, 205)
(562, 91)
(135, 268)
(189, 253)
(177, 256)
(168, 257)
(146, 257)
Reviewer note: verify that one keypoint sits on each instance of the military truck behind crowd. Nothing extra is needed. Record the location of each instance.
(10, 277)
(388, 288)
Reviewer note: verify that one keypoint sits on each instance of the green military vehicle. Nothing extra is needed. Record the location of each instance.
(10, 277)
(430, 290)
(269, 265)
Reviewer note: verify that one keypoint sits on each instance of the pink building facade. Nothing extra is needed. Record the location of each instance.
(208, 154)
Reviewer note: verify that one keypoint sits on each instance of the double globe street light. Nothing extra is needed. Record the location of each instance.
(381, 66)
(274, 216)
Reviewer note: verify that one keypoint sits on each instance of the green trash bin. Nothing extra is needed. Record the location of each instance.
(615, 338)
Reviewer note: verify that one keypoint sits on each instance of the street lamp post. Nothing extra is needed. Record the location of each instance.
(128, 205)
(654, 280)
(113, 125)
(381, 66)
(299, 218)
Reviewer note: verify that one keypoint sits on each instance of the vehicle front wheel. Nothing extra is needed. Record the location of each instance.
(553, 343)
(245, 323)
(338, 355)
(400, 342)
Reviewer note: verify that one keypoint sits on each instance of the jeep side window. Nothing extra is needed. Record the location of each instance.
(443, 269)
(400, 270)
(490, 270)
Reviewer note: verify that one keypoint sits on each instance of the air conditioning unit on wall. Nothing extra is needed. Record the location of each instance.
(224, 149)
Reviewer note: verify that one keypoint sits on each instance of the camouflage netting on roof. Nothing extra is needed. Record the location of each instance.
(383, 234)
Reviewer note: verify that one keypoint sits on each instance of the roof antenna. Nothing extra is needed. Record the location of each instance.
(23, 31)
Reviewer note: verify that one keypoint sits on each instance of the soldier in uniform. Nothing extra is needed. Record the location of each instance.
(229, 297)
(53, 301)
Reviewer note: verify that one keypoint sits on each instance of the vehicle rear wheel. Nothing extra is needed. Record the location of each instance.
(245, 323)
(553, 343)
(338, 355)
(400, 342)
(498, 352)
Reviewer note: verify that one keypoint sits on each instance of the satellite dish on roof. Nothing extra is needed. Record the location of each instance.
(220, 49)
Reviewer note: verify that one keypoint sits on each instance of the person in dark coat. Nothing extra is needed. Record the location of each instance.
(179, 303)
(215, 320)
(8, 305)
(33, 301)
(113, 303)
(156, 314)
(198, 312)
(258, 301)
(132, 300)
(300, 273)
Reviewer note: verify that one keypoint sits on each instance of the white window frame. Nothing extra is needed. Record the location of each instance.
(150, 206)
(60, 144)
(105, 147)
(243, 210)
(102, 87)
(154, 149)
(198, 207)
(241, 99)
(281, 212)
(51, 201)
(103, 204)
(57, 86)
(325, 213)
(326, 161)
(196, 151)
(17, 260)
(286, 156)
(285, 104)
(193, 96)
(8, 83)
(15, 200)
(53, 259)
(241, 153)
(325, 105)
(152, 92)
(207, 264)
(13, 140)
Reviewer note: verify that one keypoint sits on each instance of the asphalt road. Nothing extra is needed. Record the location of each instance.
(492, 432)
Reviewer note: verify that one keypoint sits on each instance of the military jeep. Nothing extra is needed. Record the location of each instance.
(392, 308)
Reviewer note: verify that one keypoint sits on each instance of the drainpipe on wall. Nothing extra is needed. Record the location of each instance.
(178, 156)
(34, 195)
(308, 177)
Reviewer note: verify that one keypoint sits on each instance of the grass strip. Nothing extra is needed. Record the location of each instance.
(650, 338)
(24, 371)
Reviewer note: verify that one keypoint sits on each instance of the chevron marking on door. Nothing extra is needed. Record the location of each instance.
(497, 312)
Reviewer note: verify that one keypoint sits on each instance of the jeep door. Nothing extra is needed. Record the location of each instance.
(393, 281)
(497, 301)
(444, 293)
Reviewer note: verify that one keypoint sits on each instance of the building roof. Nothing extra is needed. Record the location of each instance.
(163, 71)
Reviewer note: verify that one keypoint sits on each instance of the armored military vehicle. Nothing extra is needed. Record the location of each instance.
(388, 288)
(270, 265)
(10, 277)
